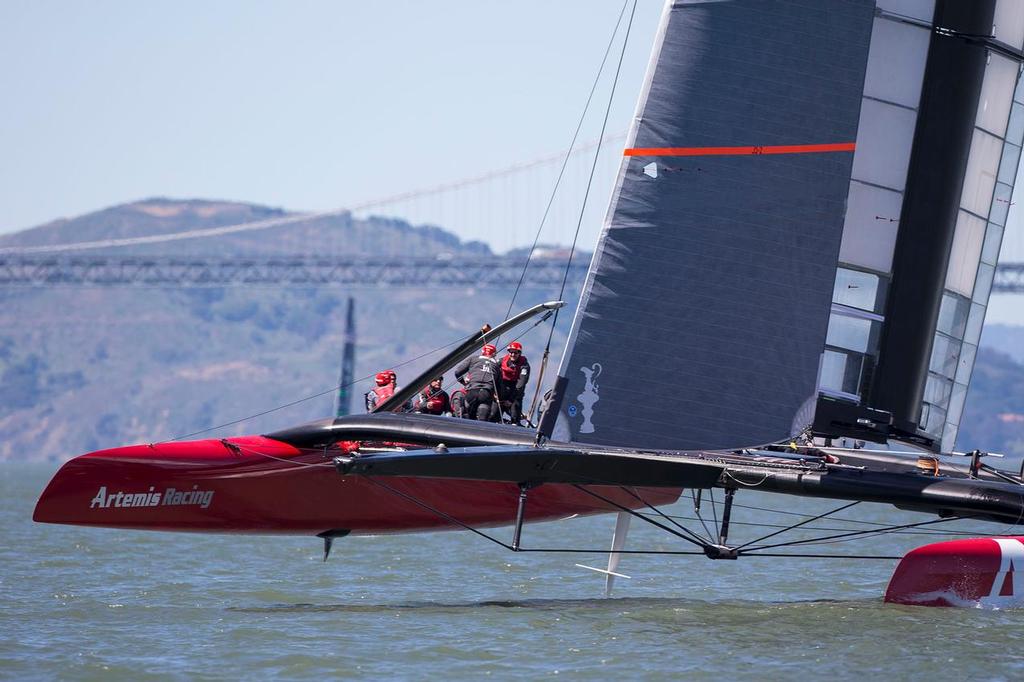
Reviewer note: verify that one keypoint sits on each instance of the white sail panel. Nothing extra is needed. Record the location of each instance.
(1008, 23)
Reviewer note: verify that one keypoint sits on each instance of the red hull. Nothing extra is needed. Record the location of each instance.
(980, 572)
(260, 485)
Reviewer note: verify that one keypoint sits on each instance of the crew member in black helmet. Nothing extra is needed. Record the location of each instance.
(482, 376)
(433, 399)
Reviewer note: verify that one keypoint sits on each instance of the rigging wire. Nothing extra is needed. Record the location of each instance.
(568, 155)
(852, 534)
(797, 525)
(305, 399)
(753, 552)
(843, 519)
(693, 497)
(754, 524)
(454, 382)
(593, 168)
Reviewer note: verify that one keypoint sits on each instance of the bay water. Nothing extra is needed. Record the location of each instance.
(82, 603)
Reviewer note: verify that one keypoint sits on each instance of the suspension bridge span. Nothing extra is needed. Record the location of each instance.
(496, 203)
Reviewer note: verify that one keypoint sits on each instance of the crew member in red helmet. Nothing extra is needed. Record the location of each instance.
(387, 384)
(482, 376)
(433, 399)
(515, 375)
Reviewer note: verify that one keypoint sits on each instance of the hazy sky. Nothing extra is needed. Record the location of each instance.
(306, 105)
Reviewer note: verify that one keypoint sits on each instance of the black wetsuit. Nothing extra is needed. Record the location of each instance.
(482, 377)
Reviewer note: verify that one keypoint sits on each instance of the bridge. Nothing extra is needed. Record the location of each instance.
(504, 204)
(318, 271)
(297, 271)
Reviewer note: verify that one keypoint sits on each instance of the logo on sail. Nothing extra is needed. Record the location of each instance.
(589, 396)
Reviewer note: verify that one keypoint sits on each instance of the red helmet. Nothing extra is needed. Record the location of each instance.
(392, 375)
(516, 346)
(489, 351)
(383, 378)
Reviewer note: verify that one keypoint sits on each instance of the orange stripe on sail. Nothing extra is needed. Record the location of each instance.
(742, 151)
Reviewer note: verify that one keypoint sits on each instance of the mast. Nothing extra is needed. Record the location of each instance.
(348, 361)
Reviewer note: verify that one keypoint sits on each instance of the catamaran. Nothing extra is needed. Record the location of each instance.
(797, 256)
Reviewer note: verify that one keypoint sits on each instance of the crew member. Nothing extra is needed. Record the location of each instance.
(433, 399)
(515, 375)
(482, 377)
(386, 387)
(458, 402)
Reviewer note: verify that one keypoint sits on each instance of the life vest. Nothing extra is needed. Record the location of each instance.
(384, 392)
(510, 370)
(433, 402)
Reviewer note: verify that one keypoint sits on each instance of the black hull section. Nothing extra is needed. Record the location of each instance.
(417, 429)
(946, 497)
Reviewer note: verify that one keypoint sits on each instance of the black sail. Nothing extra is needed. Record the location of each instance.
(706, 307)
(805, 227)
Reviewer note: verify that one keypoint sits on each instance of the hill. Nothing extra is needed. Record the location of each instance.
(82, 369)
(994, 412)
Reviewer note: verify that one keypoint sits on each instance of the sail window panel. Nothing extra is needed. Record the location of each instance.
(1001, 200)
(957, 399)
(858, 289)
(966, 363)
(937, 389)
(933, 418)
(980, 178)
(983, 286)
(1008, 23)
(949, 437)
(852, 333)
(953, 313)
(840, 373)
(884, 139)
(1008, 164)
(869, 231)
(975, 322)
(945, 355)
(996, 94)
(1015, 127)
(922, 10)
(993, 240)
(965, 253)
(896, 62)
